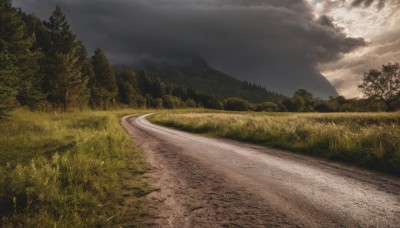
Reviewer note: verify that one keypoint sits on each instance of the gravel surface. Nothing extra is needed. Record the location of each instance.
(208, 182)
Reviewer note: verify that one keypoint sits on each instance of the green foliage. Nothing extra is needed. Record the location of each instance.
(67, 85)
(87, 73)
(67, 170)
(236, 104)
(267, 107)
(62, 40)
(18, 63)
(307, 97)
(45, 67)
(158, 103)
(383, 85)
(128, 89)
(214, 103)
(201, 99)
(8, 80)
(195, 73)
(368, 140)
(65, 68)
(104, 84)
(171, 102)
(295, 104)
(104, 81)
(190, 103)
(323, 107)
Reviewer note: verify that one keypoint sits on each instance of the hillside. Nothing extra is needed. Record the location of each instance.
(197, 74)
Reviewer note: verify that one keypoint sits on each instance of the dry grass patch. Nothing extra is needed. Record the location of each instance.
(364, 139)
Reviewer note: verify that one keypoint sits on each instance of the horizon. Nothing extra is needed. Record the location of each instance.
(320, 41)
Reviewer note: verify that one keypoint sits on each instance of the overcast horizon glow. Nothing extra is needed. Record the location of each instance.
(378, 26)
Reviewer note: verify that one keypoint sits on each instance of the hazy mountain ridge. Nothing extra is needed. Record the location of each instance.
(197, 74)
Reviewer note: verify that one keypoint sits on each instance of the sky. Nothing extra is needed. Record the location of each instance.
(284, 45)
(378, 23)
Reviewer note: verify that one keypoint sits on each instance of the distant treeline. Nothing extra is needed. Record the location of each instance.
(303, 101)
(44, 66)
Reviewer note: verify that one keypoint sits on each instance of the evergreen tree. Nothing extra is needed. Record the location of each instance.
(158, 88)
(8, 79)
(19, 65)
(67, 83)
(105, 85)
(30, 93)
(128, 87)
(87, 74)
(66, 74)
(62, 40)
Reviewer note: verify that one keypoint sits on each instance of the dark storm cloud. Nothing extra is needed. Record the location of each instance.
(368, 3)
(277, 43)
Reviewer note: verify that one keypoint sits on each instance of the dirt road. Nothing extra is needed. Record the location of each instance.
(207, 182)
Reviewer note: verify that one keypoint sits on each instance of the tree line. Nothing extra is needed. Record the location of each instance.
(45, 67)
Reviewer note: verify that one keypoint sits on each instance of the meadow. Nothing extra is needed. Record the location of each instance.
(370, 140)
(68, 169)
(77, 168)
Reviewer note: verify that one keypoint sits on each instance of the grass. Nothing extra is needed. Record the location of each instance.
(67, 170)
(369, 140)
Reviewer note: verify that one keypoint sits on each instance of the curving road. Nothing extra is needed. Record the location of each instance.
(273, 187)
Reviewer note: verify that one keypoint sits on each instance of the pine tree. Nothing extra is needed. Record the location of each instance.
(8, 79)
(66, 76)
(128, 90)
(19, 65)
(67, 82)
(62, 40)
(158, 88)
(87, 73)
(30, 93)
(105, 86)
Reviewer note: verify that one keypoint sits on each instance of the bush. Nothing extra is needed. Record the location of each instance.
(323, 108)
(295, 104)
(214, 104)
(267, 107)
(190, 103)
(158, 103)
(171, 102)
(236, 104)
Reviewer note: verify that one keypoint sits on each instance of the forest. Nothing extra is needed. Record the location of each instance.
(45, 67)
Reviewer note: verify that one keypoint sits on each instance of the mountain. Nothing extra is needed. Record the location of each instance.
(197, 74)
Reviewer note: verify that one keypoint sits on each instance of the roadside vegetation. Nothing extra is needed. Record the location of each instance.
(364, 139)
(67, 169)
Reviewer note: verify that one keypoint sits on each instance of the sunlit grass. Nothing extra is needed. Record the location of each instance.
(365, 139)
(65, 169)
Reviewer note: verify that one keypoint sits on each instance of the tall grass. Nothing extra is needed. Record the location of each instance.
(65, 169)
(363, 139)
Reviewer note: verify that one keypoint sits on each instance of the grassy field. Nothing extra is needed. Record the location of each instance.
(67, 170)
(365, 139)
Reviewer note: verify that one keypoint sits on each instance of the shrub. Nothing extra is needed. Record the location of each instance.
(158, 103)
(236, 104)
(171, 102)
(267, 107)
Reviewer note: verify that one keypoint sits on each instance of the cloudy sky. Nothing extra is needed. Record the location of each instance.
(378, 22)
(281, 44)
